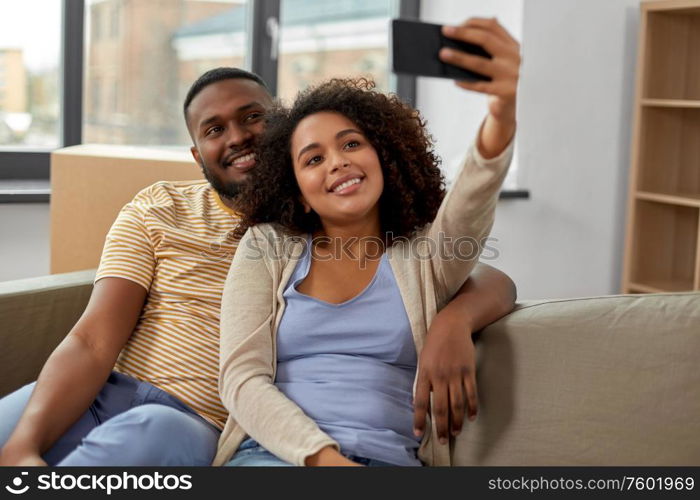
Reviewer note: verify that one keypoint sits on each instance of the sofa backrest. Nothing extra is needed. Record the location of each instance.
(596, 381)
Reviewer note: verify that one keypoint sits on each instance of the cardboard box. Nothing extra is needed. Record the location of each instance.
(91, 183)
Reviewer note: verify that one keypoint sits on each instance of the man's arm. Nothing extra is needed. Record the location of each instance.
(447, 364)
(76, 371)
(487, 296)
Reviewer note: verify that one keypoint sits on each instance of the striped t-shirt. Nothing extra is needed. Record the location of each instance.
(175, 240)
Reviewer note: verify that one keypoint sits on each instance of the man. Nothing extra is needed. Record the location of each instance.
(153, 315)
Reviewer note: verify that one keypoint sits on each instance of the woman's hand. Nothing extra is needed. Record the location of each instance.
(447, 368)
(504, 70)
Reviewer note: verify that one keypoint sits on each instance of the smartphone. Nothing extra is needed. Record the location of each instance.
(415, 47)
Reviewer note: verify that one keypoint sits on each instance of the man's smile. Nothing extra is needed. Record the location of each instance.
(241, 161)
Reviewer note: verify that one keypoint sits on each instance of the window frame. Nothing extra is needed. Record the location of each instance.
(34, 163)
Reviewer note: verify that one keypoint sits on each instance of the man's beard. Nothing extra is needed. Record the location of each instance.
(229, 189)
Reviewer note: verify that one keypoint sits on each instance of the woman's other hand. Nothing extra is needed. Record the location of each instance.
(504, 70)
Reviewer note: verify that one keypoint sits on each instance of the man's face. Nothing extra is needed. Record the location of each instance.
(225, 119)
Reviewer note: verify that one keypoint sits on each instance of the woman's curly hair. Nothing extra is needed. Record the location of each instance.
(413, 183)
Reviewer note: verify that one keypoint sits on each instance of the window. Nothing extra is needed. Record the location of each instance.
(137, 77)
(115, 20)
(29, 72)
(95, 22)
(159, 48)
(321, 39)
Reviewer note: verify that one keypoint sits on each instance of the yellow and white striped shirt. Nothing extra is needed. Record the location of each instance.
(175, 240)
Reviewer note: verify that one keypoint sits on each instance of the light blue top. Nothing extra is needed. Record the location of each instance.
(351, 366)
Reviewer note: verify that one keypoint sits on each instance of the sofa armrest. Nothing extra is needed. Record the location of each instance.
(35, 315)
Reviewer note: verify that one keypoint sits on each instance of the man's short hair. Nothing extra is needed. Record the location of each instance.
(217, 75)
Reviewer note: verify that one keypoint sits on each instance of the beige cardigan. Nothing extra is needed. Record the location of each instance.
(252, 307)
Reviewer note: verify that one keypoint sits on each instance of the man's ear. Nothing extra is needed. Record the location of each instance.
(195, 155)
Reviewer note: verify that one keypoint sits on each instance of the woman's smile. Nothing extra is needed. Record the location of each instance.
(346, 185)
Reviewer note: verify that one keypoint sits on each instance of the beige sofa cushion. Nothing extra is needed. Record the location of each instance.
(599, 381)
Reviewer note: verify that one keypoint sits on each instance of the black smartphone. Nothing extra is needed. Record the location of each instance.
(415, 47)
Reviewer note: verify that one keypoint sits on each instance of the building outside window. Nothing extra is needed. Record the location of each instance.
(137, 70)
(29, 74)
(164, 45)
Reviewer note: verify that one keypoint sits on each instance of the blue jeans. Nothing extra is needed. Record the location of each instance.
(129, 423)
(251, 454)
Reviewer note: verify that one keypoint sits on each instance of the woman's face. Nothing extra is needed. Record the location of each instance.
(337, 169)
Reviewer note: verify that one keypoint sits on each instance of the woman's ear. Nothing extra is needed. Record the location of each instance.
(307, 207)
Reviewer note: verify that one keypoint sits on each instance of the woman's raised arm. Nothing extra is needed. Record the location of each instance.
(466, 215)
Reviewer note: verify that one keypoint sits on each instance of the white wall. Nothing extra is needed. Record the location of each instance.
(575, 116)
(24, 240)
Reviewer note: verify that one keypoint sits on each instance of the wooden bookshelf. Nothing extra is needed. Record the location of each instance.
(671, 199)
(662, 246)
(670, 103)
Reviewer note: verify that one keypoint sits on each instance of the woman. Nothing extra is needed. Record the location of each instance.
(351, 247)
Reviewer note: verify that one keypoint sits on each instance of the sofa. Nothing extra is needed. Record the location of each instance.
(611, 380)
